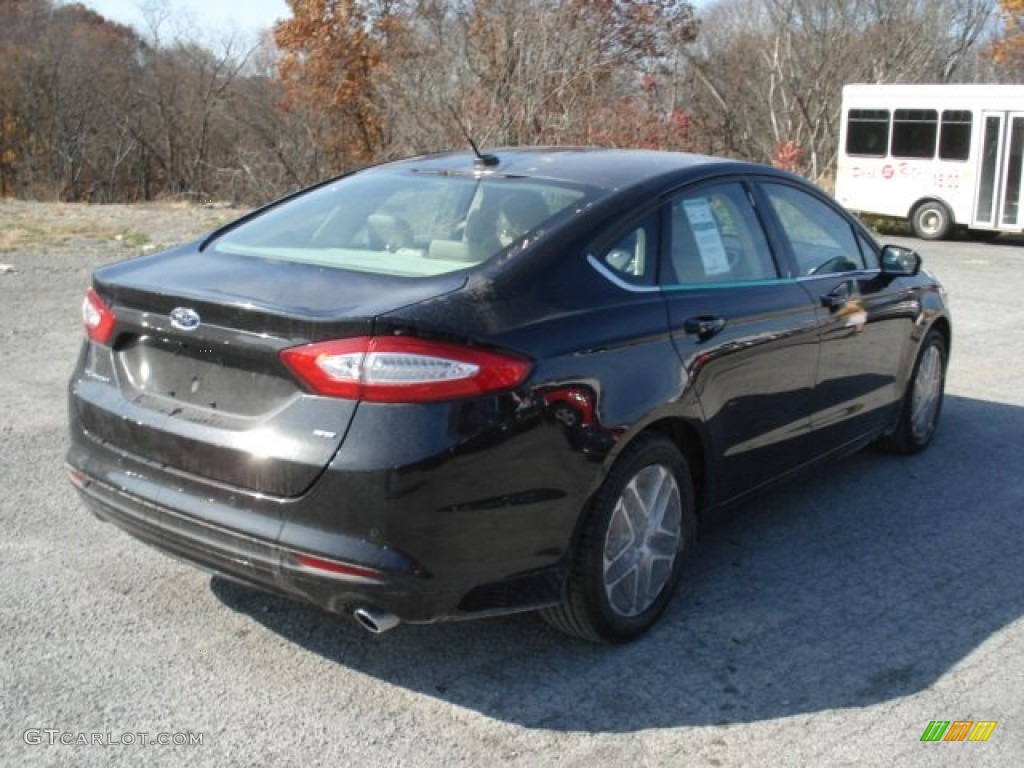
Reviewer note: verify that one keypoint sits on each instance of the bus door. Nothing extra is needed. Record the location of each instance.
(999, 180)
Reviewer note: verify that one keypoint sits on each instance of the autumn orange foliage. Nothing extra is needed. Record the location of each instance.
(1008, 50)
(332, 58)
(527, 72)
(787, 155)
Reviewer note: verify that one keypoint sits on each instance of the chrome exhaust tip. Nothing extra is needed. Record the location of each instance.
(375, 621)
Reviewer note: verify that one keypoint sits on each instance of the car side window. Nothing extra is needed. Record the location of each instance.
(822, 239)
(714, 236)
(631, 255)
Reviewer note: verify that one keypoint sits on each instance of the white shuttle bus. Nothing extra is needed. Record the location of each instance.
(942, 156)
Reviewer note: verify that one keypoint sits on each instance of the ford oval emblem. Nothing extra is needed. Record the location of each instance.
(184, 319)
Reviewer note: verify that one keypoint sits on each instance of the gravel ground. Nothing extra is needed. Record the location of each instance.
(825, 624)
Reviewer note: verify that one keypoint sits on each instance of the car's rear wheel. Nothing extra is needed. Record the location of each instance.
(922, 403)
(639, 530)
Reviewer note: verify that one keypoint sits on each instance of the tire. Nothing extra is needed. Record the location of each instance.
(922, 402)
(605, 599)
(932, 220)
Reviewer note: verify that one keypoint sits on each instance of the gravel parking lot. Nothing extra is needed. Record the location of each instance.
(825, 624)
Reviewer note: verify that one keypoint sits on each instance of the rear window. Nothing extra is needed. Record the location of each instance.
(404, 222)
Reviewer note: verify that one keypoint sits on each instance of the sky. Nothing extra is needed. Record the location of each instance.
(212, 17)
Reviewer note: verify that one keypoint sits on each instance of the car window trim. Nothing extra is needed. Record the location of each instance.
(854, 274)
(608, 274)
(729, 284)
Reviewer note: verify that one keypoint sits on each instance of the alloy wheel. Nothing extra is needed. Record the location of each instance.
(927, 393)
(643, 540)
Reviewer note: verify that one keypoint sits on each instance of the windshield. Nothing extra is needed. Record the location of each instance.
(402, 222)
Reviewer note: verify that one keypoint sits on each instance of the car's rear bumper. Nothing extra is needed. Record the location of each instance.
(252, 540)
(269, 566)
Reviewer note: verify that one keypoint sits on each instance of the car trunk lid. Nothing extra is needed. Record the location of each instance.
(215, 400)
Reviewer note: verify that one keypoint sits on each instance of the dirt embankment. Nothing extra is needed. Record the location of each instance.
(47, 254)
(116, 231)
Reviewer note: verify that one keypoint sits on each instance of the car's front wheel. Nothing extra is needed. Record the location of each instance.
(922, 403)
(639, 530)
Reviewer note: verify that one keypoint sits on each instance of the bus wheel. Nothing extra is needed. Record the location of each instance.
(931, 220)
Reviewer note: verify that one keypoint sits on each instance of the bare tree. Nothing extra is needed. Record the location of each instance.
(766, 77)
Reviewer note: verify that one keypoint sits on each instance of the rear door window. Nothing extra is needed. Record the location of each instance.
(714, 237)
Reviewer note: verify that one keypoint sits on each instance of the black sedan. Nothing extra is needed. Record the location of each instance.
(465, 384)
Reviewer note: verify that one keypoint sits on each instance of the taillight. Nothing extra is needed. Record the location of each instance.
(97, 317)
(344, 571)
(399, 369)
(78, 477)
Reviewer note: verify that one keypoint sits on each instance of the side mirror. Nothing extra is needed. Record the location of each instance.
(898, 261)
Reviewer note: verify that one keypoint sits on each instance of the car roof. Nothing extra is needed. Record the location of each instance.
(603, 168)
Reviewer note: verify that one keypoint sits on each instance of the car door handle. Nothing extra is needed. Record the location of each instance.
(704, 326)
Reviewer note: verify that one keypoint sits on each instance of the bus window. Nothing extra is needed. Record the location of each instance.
(1015, 163)
(989, 164)
(914, 132)
(867, 132)
(955, 138)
